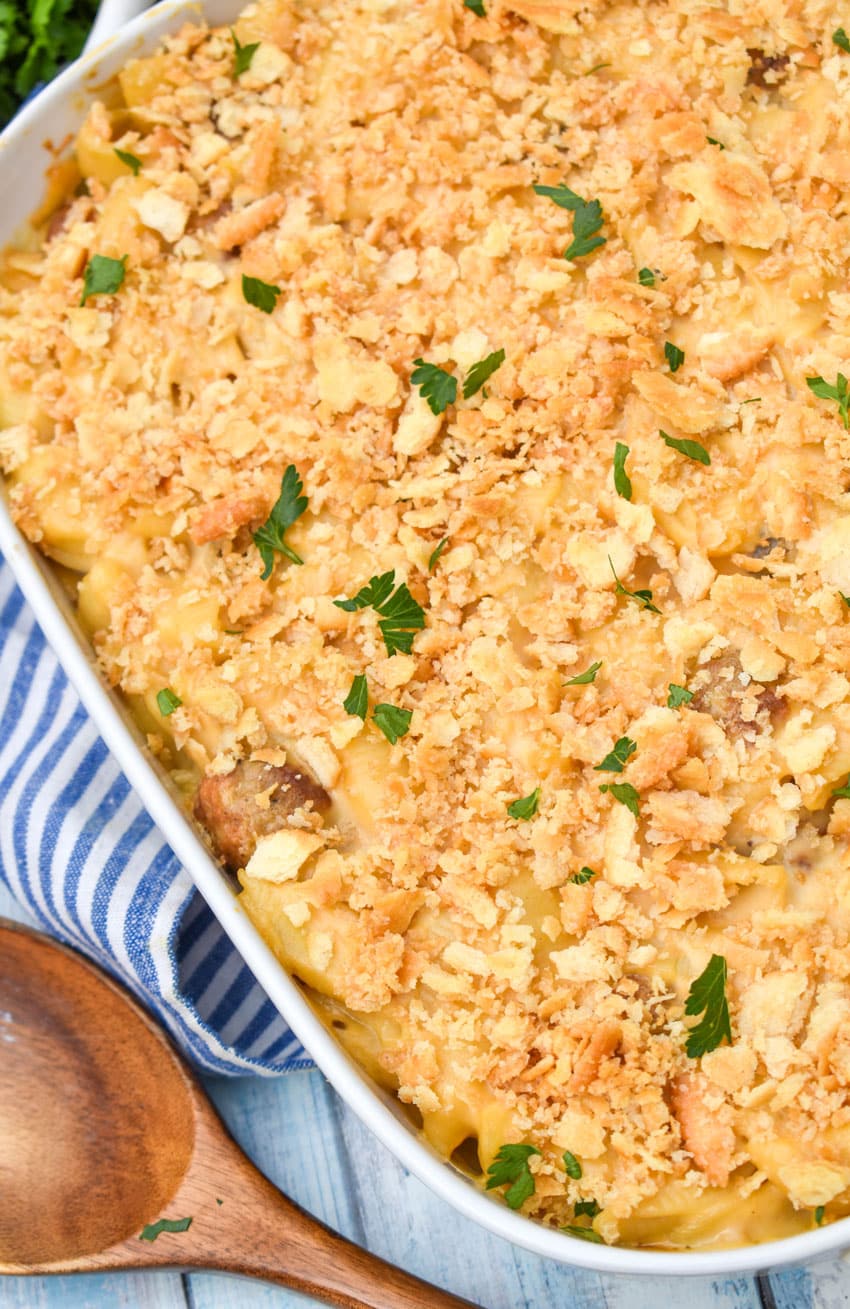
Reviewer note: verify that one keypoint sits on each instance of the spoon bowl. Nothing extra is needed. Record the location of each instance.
(105, 1131)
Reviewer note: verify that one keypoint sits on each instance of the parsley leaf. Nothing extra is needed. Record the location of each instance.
(707, 996)
(476, 6)
(583, 1233)
(819, 1212)
(843, 792)
(582, 876)
(527, 806)
(481, 372)
(626, 794)
(288, 507)
(845, 598)
(400, 615)
(646, 277)
(643, 597)
(167, 701)
(511, 1166)
(132, 161)
(616, 759)
(560, 195)
(824, 391)
(435, 554)
(713, 141)
(436, 386)
(840, 38)
(103, 276)
(589, 1207)
(357, 701)
(678, 695)
(674, 356)
(690, 449)
(262, 295)
(572, 1166)
(585, 678)
(242, 55)
(622, 483)
(152, 1231)
(587, 221)
(393, 722)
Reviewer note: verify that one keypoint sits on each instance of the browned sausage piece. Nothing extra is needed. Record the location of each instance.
(766, 70)
(741, 706)
(228, 809)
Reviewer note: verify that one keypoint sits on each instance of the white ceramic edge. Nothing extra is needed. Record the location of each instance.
(370, 1104)
(112, 15)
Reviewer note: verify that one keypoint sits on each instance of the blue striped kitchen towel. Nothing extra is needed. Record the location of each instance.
(78, 850)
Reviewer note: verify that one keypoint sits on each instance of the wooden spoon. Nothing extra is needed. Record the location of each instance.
(105, 1131)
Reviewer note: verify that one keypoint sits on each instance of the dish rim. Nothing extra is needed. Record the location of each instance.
(64, 100)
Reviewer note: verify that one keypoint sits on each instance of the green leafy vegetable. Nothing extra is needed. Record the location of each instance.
(262, 295)
(674, 356)
(152, 1231)
(626, 794)
(713, 141)
(646, 277)
(642, 597)
(596, 68)
(560, 195)
(435, 554)
(374, 593)
(588, 1207)
(583, 1233)
(841, 39)
(819, 1212)
(481, 372)
(103, 276)
(585, 678)
(167, 701)
(37, 38)
(587, 219)
(288, 507)
(707, 996)
(678, 695)
(357, 701)
(690, 449)
(476, 6)
(510, 1168)
(572, 1166)
(526, 807)
(132, 161)
(393, 722)
(400, 616)
(582, 876)
(622, 483)
(843, 792)
(436, 386)
(242, 55)
(824, 391)
(616, 759)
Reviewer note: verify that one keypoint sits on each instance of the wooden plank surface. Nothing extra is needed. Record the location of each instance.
(308, 1142)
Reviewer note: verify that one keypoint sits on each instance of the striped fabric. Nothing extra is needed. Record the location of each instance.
(78, 850)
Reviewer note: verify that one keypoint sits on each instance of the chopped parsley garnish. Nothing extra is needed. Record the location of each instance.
(435, 554)
(843, 792)
(674, 356)
(596, 68)
(288, 507)
(242, 55)
(132, 161)
(616, 759)
(357, 701)
(482, 372)
(713, 141)
(152, 1231)
(845, 598)
(622, 483)
(476, 6)
(678, 695)
(262, 295)
(583, 876)
(393, 722)
(572, 1166)
(841, 39)
(587, 219)
(583, 1233)
(690, 449)
(707, 996)
(234, 631)
(510, 1168)
(400, 615)
(642, 597)
(626, 794)
(526, 807)
(588, 1207)
(585, 678)
(436, 386)
(103, 276)
(646, 277)
(167, 701)
(819, 1212)
(824, 391)
(753, 400)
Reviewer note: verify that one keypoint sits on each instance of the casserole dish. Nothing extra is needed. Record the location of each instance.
(22, 144)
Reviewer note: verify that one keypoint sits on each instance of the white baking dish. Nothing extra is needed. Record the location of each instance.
(24, 156)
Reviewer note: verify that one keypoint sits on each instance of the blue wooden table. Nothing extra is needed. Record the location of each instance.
(302, 1135)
